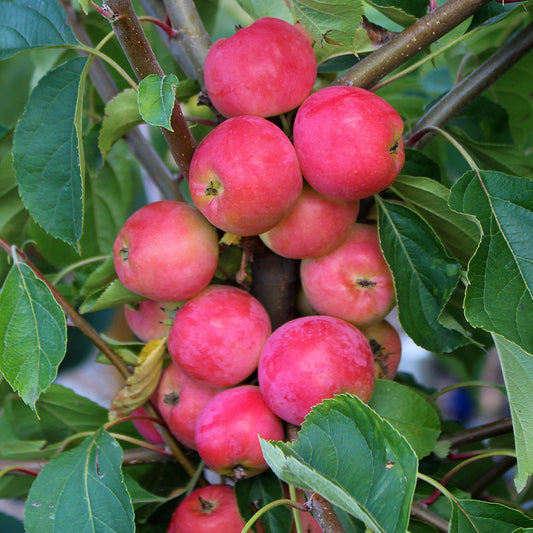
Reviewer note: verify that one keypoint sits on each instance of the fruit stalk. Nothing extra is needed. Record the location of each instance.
(409, 42)
(143, 61)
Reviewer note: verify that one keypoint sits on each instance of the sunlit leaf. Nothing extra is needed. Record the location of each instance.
(157, 98)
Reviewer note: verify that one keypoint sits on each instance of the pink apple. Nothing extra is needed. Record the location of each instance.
(150, 319)
(265, 69)
(210, 509)
(315, 226)
(227, 432)
(245, 176)
(166, 251)
(349, 142)
(180, 399)
(353, 282)
(386, 346)
(310, 359)
(217, 336)
(147, 429)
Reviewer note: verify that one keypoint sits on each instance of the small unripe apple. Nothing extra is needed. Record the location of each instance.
(150, 319)
(245, 176)
(180, 400)
(210, 509)
(166, 251)
(315, 226)
(386, 346)
(265, 69)
(309, 359)
(349, 142)
(353, 282)
(228, 428)
(217, 336)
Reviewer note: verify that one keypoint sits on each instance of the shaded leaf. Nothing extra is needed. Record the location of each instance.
(33, 333)
(140, 495)
(47, 156)
(517, 369)
(499, 297)
(403, 12)
(272, 8)
(81, 490)
(28, 24)
(128, 351)
(424, 276)
(112, 295)
(142, 383)
(343, 431)
(408, 413)
(157, 98)
(429, 198)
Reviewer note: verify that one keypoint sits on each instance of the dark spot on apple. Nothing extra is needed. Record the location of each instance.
(206, 505)
(365, 283)
(172, 398)
(211, 190)
(124, 253)
(394, 148)
(239, 473)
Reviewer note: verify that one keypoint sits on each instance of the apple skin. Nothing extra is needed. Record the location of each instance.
(149, 319)
(386, 346)
(210, 509)
(147, 429)
(360, 133)
(353, 282)
(227, 432)
(265, 69)
(217, 336)
(315, 226)
(245, 176)
(309, 359)
(180, 400)
(166, 251)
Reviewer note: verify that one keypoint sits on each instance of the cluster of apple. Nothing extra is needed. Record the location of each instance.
(247, 178)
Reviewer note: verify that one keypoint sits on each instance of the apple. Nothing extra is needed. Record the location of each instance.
(149, 319)
(315, 226)
(210, 509)
(180, 399)
(353, 282)
(265, 69)
(166, 251)
(147, 429)
(227, 432)
(309, 359)
(217, 336)
(245, 176)
(386, 346)
(349, 142)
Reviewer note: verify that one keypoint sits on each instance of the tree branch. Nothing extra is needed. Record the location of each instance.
(479, 433)
(474, 84)
(143, 62)
(409, 42)
(420, 512)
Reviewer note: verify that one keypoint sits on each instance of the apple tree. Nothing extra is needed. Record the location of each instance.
(117, 114)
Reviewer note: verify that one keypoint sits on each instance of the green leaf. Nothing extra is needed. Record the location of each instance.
(424, 276)
(259, 491)
(140, 495)
(121, 114)
(28, 24)
(484, 517)
(157, 98)
(517, 367)
(408, 413)
(344, 431)
(272, 8)
(47, 156)
(81, 490)
(403, 13)
(429, 198)
(112, 295)
(33, 333)
(499, 297)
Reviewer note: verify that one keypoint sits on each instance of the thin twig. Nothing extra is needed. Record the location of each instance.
(479, 433)
(420, 512)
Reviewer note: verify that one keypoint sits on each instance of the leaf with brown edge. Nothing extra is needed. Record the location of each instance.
(143, 382)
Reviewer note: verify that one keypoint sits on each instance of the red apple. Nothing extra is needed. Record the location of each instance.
(353, 282)
(166, 251)
(349, 142)
(315, 226)
(265, 69)
(147, 429)
(210, 509)
(386, 346)
(227, 432)
(217, 336)
(245, 176)
(180, 399)
(309, 359)
(149, 319)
